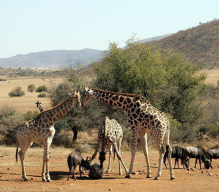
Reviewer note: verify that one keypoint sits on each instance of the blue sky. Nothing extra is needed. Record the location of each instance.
(42, 25)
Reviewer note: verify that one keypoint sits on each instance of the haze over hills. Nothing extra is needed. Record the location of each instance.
(58, 58)
(154, 38)
(52, 59)
(200, 44)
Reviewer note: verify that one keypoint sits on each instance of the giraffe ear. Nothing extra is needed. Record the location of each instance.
(107, 119)
(86, 88)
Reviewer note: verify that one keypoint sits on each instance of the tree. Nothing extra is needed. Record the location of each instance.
(165, 77)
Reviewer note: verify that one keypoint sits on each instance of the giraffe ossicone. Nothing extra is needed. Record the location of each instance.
(41, 129)
(143, 118)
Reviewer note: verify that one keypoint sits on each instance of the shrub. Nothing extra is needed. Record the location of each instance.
(42, 95)
(42, 88)
(17, 92)
(9, 119)
(31, 88)
(30, 115)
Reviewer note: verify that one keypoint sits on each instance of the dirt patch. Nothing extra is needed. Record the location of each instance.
(10, 175)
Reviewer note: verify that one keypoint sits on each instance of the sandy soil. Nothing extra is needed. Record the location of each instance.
(10, 175)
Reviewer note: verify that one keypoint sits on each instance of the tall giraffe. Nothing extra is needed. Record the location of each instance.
(110, 134)
(41, 129)
(143, 118)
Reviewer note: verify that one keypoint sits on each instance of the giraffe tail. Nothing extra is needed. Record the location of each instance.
(16, 154)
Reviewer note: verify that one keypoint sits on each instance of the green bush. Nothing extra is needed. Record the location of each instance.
(31, 88)
(42, 95)
(30, 115)
(42, 88)
(17, 92)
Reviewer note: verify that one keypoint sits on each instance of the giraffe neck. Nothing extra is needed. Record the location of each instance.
(60, 110)
(120, 100)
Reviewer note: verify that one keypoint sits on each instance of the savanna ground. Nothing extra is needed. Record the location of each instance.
(10, 171)
(10, 174)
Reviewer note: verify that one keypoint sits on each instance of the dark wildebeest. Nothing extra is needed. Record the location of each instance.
(74, 159)
(198, 153)
(177, 153)
(213, 154)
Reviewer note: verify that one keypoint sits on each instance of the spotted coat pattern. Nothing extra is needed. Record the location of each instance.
(111, 131)
(41, 129)
(143, 118)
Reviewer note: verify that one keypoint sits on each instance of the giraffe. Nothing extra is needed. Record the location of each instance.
(143, 118)
(110, 134)
(38, 105)
(41, 129)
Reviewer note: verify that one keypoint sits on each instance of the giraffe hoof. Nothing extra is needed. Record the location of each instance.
(156, 178)
(25, 179)
(172, 178)
(127, 176)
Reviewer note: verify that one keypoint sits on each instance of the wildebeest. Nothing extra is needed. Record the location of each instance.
(213, 154)
(196, 152)
(177, 153)
(74, 159)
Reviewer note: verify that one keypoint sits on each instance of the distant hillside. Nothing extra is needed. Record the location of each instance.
(52, 59)
(156, 38)
(200, 44)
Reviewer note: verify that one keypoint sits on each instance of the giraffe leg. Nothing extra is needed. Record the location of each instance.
(120, 158)
(119, 142)
(95, 153)
(166, 145)
(110, 153)
(170, 162)
(22, 157)
(161, 154)
(163, 144)
(45, 175)
(133, 150)
(143, 139)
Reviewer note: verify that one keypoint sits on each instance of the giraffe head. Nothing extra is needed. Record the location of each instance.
(102, 158)
(87, 96)
(76, 96)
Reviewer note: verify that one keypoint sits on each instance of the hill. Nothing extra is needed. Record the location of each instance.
(200, 44)
(156, 38)
(52, 59)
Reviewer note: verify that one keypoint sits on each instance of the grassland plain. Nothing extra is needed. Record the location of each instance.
(26, 102)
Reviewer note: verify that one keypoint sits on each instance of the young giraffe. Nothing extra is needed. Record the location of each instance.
(143, 118)
(38, 105)
(41, 129)
(110, 134)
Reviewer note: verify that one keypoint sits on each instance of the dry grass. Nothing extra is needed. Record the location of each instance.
(26, 102)
(213, 76)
